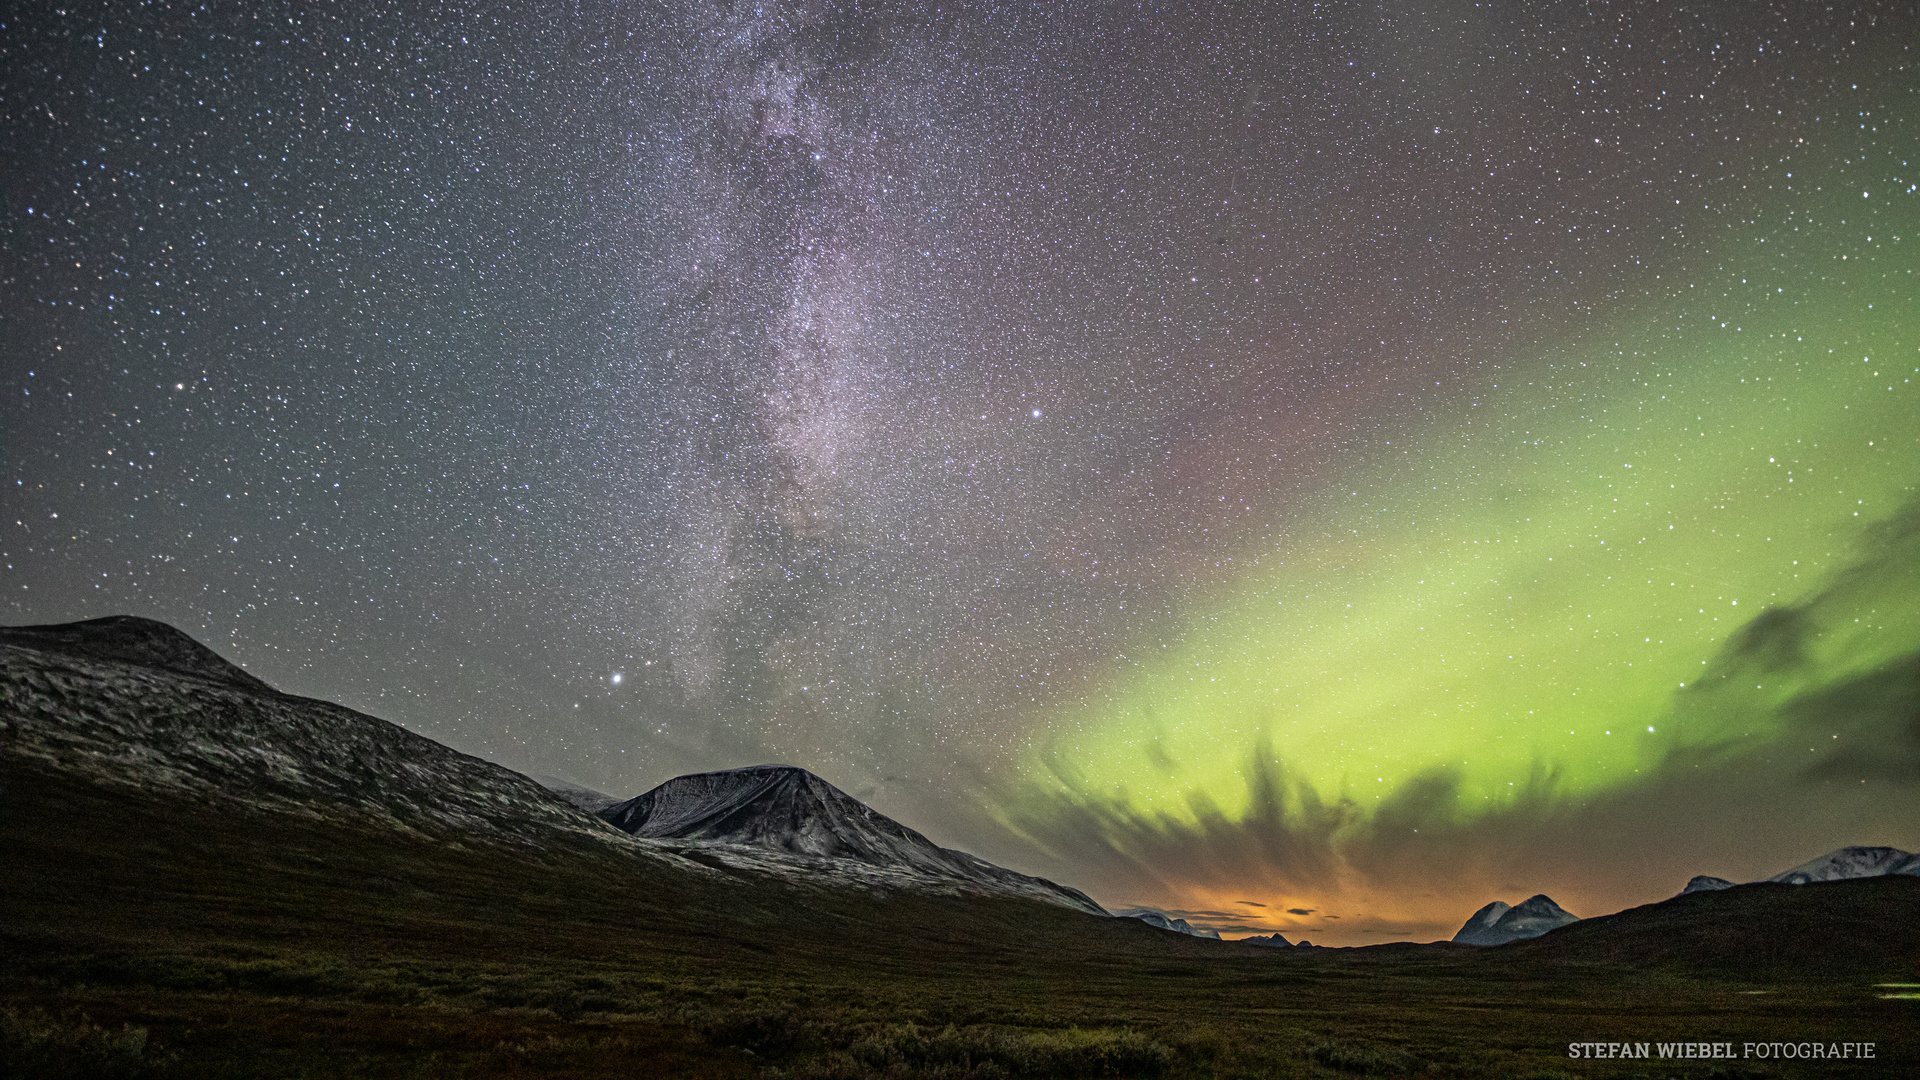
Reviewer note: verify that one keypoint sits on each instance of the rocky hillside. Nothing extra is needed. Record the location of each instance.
(135, 703)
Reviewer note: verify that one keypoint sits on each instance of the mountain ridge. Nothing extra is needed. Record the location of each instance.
(1841, 864)
(132, 639)
(1847, 863)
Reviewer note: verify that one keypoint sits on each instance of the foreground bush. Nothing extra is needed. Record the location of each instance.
(35, 1045)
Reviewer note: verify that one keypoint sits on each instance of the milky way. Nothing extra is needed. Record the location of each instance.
(1352, 459)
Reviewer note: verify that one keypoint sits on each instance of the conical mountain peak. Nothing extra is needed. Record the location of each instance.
(788, 810)
(1497, 924)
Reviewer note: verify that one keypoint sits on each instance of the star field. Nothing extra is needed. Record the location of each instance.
(1355, 453)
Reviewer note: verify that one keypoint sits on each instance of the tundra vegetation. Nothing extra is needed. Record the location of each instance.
(151, 935)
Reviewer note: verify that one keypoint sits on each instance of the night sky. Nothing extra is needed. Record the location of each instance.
(1317, 469)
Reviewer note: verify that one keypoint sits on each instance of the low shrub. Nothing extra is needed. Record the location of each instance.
(1365, 1059)
(909, 1052)
(35, 1045)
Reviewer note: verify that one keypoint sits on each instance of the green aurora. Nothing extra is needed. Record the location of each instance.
(1519, 599)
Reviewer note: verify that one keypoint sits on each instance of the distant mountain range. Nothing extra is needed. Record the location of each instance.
(1497, 924)
(1843, 865)
(1156, 917)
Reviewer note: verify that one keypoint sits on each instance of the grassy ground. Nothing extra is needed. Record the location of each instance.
(145, 936)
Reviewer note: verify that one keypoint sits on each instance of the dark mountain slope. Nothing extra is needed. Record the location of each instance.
(135, 703)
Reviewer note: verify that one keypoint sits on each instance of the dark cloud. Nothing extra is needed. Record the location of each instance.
(1870, 725)
(1202, 913)
(1774, 640)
